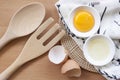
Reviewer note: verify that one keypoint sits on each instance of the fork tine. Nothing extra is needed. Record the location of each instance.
(44, 26)
(55, 39)
(50, 32)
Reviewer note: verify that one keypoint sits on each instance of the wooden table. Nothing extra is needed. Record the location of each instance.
(41, 68)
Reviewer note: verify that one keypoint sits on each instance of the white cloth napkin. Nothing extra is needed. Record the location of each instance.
(109, 11)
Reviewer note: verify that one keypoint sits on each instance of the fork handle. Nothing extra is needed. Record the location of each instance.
(10, 70)
(7, 37)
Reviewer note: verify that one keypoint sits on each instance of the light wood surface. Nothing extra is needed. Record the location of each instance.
(40, 68)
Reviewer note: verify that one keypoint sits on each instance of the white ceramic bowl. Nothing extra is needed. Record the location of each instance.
(95, 15)
(104, 57)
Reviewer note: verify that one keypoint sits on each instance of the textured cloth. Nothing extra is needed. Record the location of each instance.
(109, 11)
(76, 53)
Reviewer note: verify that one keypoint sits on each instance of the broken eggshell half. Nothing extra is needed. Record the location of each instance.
(57, 54)
(71, 69)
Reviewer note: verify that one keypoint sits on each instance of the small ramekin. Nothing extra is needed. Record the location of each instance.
(109, 57)
(95, 15)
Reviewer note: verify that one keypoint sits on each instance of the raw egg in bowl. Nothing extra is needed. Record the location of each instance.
(99, 50)
(84, 21)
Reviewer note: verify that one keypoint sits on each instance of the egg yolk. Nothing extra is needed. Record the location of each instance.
(83, 21)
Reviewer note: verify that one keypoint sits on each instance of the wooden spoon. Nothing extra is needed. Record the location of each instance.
(24, 21)
(35, 47)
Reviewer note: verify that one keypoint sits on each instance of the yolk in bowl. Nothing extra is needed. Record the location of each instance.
(83, 21)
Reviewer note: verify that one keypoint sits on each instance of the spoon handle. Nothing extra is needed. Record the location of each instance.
(7, 37)
(11, 69)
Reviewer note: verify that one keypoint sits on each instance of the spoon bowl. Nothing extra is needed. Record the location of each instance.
(24, 21)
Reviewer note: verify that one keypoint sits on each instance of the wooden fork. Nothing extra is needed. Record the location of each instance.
(34, 47)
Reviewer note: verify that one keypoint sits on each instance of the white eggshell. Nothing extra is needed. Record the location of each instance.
(57, 54)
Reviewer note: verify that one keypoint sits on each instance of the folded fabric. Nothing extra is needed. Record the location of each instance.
(109, 11)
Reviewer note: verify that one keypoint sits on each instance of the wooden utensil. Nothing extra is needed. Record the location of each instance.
(24, 21)
(34, 47)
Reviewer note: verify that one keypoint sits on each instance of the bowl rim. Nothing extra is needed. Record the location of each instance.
(103, 62)
(96, 25)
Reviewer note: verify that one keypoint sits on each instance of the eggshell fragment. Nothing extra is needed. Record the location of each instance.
(57, 54)
(71, 69)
